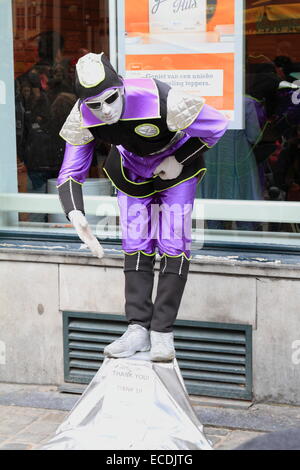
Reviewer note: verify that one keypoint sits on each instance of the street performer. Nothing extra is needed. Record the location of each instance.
(158, 136)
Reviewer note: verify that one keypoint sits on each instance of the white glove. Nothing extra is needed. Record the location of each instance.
(169, 168)
(85, 233)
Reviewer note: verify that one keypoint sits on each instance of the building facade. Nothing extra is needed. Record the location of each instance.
(238, 329)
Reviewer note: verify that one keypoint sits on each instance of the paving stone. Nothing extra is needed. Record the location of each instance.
(260, 418)
(42, 427)
(16, 446)
(45, 440)
(219, 402)
(4, 412)
(282, 440)
(30, 415)
(55, 416)
(15, 424)
(36, 399)
(8, 388)
(235, 439)
(33, 438)
(35, 446)
(277, 411)
(3, 438)
(7, 411)
(216, 431)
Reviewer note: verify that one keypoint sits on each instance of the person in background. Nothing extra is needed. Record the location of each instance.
(39, 87)
(238, 164)
(58, 82)
(232, 171)
(286, 167)
(284, 68)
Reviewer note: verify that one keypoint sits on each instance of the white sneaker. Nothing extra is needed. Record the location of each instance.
(162, 346)
(136, 338)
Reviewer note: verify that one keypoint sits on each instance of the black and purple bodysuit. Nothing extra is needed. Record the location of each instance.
(156, 122)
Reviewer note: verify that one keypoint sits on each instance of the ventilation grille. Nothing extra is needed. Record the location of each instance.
(214, 358)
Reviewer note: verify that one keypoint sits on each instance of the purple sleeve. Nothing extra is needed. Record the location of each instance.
(209, 126)
(77, 162)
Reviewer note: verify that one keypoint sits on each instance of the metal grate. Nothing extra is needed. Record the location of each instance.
(215, 359)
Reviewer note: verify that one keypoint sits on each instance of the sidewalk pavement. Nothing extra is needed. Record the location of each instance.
(30, 415)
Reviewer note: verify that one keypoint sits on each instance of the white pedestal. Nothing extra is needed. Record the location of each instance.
(132, 404)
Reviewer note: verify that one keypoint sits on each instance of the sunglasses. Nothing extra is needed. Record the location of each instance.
(98, 104)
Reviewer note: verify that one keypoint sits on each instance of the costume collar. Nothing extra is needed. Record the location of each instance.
(141, 102)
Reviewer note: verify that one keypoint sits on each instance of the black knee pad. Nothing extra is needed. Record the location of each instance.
(139, 262)
(179, 265)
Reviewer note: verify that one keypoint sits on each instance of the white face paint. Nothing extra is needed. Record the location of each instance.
(108, 107)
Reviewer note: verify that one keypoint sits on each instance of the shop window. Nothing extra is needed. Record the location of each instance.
(48, 40)
(251, 191)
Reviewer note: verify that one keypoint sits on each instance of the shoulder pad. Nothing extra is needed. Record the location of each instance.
(72, 132)
(182, 109)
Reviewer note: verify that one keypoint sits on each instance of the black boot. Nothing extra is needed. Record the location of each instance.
(171, 284)
(139, 277)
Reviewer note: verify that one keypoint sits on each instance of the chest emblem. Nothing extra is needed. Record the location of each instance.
(147, 130)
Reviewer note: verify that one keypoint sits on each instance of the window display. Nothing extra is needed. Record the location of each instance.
(239, 57)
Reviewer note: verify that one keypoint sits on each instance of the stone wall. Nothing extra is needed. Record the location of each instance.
(36, 287)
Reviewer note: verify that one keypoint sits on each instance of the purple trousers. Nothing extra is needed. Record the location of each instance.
(162, 221)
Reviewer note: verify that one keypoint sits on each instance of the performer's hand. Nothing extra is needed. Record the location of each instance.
(169, 168)
(85, 233)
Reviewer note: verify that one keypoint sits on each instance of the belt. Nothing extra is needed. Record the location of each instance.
(117, 174)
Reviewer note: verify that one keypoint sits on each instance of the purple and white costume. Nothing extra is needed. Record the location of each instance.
(156, 122)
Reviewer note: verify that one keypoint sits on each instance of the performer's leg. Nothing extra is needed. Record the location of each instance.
(139, 277)
(139, 249)
(174, 246)
(171, 283)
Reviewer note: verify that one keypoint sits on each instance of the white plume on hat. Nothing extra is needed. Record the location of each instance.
(90, 70)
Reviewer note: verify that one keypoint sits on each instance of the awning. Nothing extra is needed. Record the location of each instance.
(274, 10)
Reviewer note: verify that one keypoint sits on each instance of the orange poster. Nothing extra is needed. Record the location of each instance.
(190, 46)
